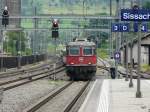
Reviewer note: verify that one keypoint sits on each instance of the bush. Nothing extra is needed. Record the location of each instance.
(102, 53)
(145, 68)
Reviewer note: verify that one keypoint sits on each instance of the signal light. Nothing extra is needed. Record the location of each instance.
(5, 17)
(55, 23)
(55, 27)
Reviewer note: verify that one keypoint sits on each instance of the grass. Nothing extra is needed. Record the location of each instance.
(102, 53)
(51, 49)
(145, 68)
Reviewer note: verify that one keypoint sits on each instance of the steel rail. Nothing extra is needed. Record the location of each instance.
(36, 106)
(22, 83)
(124, 74)
(26, 70)
(26, 77)
(73, 102)
(103, 67)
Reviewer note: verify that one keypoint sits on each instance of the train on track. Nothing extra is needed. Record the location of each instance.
(81, 59)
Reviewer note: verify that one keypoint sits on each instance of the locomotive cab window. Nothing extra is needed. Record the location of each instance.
(87, 51)
(74, 50)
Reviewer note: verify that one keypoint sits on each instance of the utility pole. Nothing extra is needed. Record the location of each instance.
(35, 35)
(35, 26)
(83, 6)
(19, 52)
(123, 40)
(126, 49)
(110, 39)
(131, 60)
(138, 93)
(110, 7)
(131, 64)
(1, 35)
(117, 35)
(126, 55)
(137, 5)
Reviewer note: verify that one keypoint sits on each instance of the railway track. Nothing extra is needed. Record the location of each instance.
(73, 102)
(24, 80)
(103, 65)
(143, 75)
(42, 102)
(26, 70)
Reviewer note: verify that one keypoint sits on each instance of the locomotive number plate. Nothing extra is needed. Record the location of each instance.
(81, 59)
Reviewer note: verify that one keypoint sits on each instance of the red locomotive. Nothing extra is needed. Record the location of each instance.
(81, 59)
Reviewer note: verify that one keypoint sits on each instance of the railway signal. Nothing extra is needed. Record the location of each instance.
(55, 27)
(5, 17)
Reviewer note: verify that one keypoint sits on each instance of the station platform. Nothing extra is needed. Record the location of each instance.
(114, 95)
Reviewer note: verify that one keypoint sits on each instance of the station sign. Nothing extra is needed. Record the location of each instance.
(117, 55)
(135, 14)
(143, 27)
(120, 27)
(125, 27)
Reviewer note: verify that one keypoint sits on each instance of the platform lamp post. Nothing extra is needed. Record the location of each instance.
(126, 57)
(138, 93)
(126, 47)
(131, 59)
(136, 5)
(131, 64)
(117, 35)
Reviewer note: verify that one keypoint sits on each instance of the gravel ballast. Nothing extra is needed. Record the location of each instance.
(58, 103)
(17, 99)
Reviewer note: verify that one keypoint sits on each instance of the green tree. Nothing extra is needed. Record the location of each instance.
(15, 41)
(146, 5)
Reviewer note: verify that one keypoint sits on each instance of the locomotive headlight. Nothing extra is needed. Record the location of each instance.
(89, 63)
(72, 63)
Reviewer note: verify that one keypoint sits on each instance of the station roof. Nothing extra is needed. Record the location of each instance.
(136, 40)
